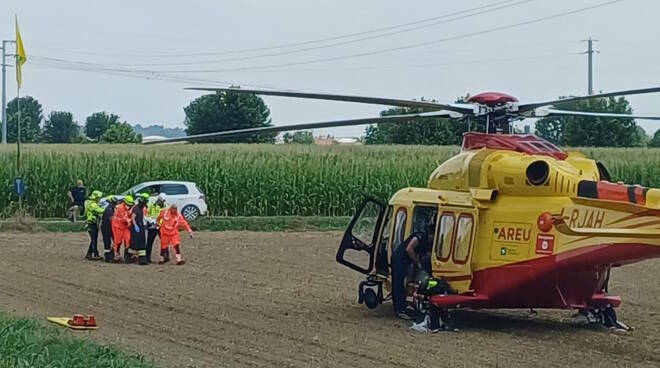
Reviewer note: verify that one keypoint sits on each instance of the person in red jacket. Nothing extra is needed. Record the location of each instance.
(170, 221)
(121, 228)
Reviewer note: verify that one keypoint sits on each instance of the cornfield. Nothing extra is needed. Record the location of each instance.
(255, 180)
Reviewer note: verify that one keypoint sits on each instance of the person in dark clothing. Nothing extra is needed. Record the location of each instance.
(138, 229)
(77, 195)
(411, 251)
(106, 226)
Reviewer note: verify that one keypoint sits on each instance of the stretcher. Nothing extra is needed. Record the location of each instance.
(78, 322)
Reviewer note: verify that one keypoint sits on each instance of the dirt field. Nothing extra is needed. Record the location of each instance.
(279, 299)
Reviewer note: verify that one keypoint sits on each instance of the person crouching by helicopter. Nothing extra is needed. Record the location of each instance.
(153, 210)
(138, 236)
(171, 221)
(409, 252)
(108, 203)
(121, 233)
(92, 214)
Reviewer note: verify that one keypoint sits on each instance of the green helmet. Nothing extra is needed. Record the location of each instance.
(129, 200)
(145, 196)
(96, 195)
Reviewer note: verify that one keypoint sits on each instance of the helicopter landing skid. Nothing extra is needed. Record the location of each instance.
(605, 317)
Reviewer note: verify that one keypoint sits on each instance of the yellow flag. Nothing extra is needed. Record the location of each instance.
(21, 58)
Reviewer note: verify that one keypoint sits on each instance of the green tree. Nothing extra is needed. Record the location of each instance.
(228, 111)
(121, 133)
(441, 131)
(59, 127)
(655, 142)
(591, 131)
(299, 138)
(98, 123)
(644, 139)
(31, 116)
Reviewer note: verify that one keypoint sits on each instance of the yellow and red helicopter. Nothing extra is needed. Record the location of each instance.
(517, 222)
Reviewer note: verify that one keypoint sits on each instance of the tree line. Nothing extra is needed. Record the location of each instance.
(60, 127)
(229, 111)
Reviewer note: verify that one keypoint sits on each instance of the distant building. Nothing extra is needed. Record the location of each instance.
(347, 140)
(329, 140)
(152, 138)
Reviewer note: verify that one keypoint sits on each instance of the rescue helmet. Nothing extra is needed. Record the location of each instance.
(129, 200)
(96, 195)
(144, 197)
(162, 197)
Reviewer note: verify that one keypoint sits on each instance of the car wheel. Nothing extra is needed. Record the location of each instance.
(190, 212)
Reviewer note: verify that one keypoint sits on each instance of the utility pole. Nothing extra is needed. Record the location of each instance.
(590, 52)
(4, 93)
(4, 89)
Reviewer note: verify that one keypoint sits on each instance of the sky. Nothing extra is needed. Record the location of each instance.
(133, 58)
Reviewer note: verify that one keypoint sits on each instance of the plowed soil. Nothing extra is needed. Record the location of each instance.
(279, 299)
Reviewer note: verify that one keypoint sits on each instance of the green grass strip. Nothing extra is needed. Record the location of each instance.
(26, 343)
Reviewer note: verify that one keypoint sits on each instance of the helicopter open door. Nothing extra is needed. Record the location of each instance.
(358, 246)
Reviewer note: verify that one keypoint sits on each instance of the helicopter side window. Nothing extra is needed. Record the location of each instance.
(399, 227)
(382, 263)
(463, 238)
(424, 217)
(445, 236)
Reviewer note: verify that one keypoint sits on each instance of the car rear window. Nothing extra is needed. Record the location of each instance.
(173, 189)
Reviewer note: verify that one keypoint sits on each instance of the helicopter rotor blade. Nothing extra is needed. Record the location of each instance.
(304, 126)
(531, 106)
(552, 112)
(431, 106)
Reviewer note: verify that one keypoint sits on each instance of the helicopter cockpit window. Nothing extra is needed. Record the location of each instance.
(365, 227)
(385, 234)
(399, 228)
(445, 235)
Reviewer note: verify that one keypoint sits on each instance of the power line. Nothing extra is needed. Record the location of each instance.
(280, 46)
(335, 44)
(75, 66)
(405, 47)
(151, 75)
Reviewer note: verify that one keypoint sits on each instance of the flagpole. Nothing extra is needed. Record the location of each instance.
(20, 60)
(18, 146)
(18, 135)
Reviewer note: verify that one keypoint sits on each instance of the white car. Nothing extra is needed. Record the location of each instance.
(185, 194)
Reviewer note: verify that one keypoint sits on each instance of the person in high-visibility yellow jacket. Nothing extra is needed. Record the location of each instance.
(93, 213)
(153, 210)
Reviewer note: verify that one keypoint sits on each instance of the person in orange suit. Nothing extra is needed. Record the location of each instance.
(170, 222)
(121, 230)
